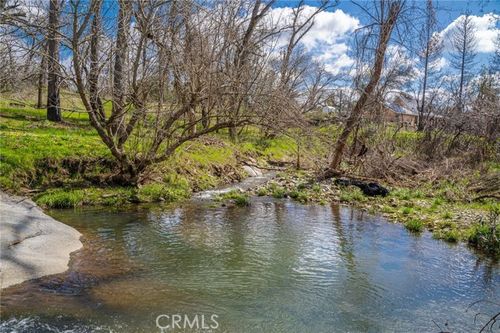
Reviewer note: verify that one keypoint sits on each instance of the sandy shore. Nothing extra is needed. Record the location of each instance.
(32, 244)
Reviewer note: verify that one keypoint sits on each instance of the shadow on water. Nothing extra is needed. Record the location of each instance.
(272, 266)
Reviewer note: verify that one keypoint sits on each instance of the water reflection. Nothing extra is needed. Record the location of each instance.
(272, 266)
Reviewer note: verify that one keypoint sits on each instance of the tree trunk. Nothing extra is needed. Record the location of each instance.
(53, 101)
(41, 79)
(421, 118)
(121, 53)
(205, 122)
(233, 133)
(385, 33)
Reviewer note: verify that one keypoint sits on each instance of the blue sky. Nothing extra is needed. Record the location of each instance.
(329, 41)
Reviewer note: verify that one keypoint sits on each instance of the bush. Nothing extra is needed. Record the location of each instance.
(414, 225)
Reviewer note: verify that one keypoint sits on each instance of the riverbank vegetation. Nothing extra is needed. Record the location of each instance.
(175, 98)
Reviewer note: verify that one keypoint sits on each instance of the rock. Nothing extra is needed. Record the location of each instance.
(252, 171)
(32, 244)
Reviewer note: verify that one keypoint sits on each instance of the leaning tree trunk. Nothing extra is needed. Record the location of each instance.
(385, 33)
(53, 101)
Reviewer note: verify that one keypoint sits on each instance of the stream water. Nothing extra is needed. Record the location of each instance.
(274, 266)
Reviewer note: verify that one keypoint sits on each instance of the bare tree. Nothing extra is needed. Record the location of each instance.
(246, 45)
(431, 48)
(389, 12)
(53, 99)
(464, 45)
(178, 67)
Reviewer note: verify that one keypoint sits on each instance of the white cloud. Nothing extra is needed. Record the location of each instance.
(326, 39)
(441, 63)
(486, 31)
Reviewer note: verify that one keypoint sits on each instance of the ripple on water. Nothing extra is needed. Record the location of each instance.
(272, 266)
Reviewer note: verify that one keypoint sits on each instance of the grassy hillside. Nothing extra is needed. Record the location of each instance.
(66, 164)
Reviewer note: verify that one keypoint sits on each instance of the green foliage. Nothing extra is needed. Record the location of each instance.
(450, 235)
(407, 210)
(436, 203)
(239, 198)
(61, 199)
(407, 194)
(351, 194)
(278, 192)
(485, 235)
(414, 225)
(299, 195)
(174, 189)
(70, 198)
(447, 215)
(262, 192)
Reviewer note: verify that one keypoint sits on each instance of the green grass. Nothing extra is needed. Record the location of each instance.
(279, 193)
(407, 210)
(485, 235)
(70, 198)
(25, 139)
(239, 198)
(36, 153)
(352, 194)
(299, 195)
(262, 192)
(414, 225)
(168, 192)
(407, 194)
